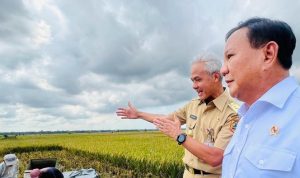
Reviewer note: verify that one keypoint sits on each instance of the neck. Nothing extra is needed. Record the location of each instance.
(217, 92)
(265, 84)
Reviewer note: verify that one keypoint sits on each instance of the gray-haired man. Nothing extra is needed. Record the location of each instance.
(210, 120)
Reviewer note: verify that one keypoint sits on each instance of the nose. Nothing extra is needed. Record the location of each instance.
(195, 86)
(224, 69)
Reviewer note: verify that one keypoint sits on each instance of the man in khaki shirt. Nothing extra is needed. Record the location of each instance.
(210, 121)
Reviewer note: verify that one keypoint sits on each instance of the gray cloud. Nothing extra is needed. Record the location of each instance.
(74, 62)
(17, 32)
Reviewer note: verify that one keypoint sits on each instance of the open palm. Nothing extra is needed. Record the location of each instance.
(128, 113)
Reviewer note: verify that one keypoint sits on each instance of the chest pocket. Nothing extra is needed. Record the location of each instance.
(265, 158)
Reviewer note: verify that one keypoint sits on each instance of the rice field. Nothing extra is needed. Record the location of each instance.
(122, 154)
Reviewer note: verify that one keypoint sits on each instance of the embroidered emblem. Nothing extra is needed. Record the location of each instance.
(233, 124)
(274, 130)
(210, 137)
(234, 106)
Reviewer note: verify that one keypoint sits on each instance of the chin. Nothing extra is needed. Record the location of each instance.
(232, 92)
(202, 97)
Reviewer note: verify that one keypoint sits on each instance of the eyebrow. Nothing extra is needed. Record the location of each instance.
(228, 51)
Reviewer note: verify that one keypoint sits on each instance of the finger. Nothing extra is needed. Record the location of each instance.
(166, 120)
(130, 105)
(121, 114)
(160, 130)
(158, 122)
(155, 122)
(120, 111)
(164, 130)
(169, 125)
(159, 125)
(161, 120)
(124, 117)
(177, 121)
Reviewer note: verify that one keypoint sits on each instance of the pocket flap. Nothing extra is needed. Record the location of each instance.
(192, 124)
(271, 159)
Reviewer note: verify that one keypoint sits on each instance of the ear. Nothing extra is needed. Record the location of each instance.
(216, 76)
(270, 53)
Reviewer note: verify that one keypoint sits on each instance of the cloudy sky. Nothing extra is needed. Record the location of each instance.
(68, 64)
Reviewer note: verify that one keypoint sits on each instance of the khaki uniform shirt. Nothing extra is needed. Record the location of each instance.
(212, 124)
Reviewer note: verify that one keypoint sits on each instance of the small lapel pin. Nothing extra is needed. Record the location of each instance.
(274, 130)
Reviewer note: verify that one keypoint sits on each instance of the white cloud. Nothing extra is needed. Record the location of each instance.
(36, 4)
(67, 65)
(42, 33)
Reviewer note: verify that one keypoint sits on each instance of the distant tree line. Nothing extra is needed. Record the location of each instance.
(6, 136)
(15, 134)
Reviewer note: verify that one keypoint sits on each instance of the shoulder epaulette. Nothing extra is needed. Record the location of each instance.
(233, 105)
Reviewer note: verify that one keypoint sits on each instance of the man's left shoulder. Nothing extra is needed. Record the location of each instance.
(294, 98)
(233, 105)
(297, 93)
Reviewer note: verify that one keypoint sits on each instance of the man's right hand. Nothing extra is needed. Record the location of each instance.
(128, 113)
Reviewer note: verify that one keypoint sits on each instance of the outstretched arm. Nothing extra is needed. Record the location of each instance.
(132, 113)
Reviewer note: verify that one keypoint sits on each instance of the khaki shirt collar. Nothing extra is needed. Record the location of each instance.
(220, 101)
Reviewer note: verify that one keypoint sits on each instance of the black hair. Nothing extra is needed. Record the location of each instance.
(263, 30)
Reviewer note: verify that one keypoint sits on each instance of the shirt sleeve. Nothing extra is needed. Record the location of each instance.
(226, 131)
(181, 114)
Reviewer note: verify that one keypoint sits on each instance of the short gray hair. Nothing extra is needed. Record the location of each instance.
(211, 63)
